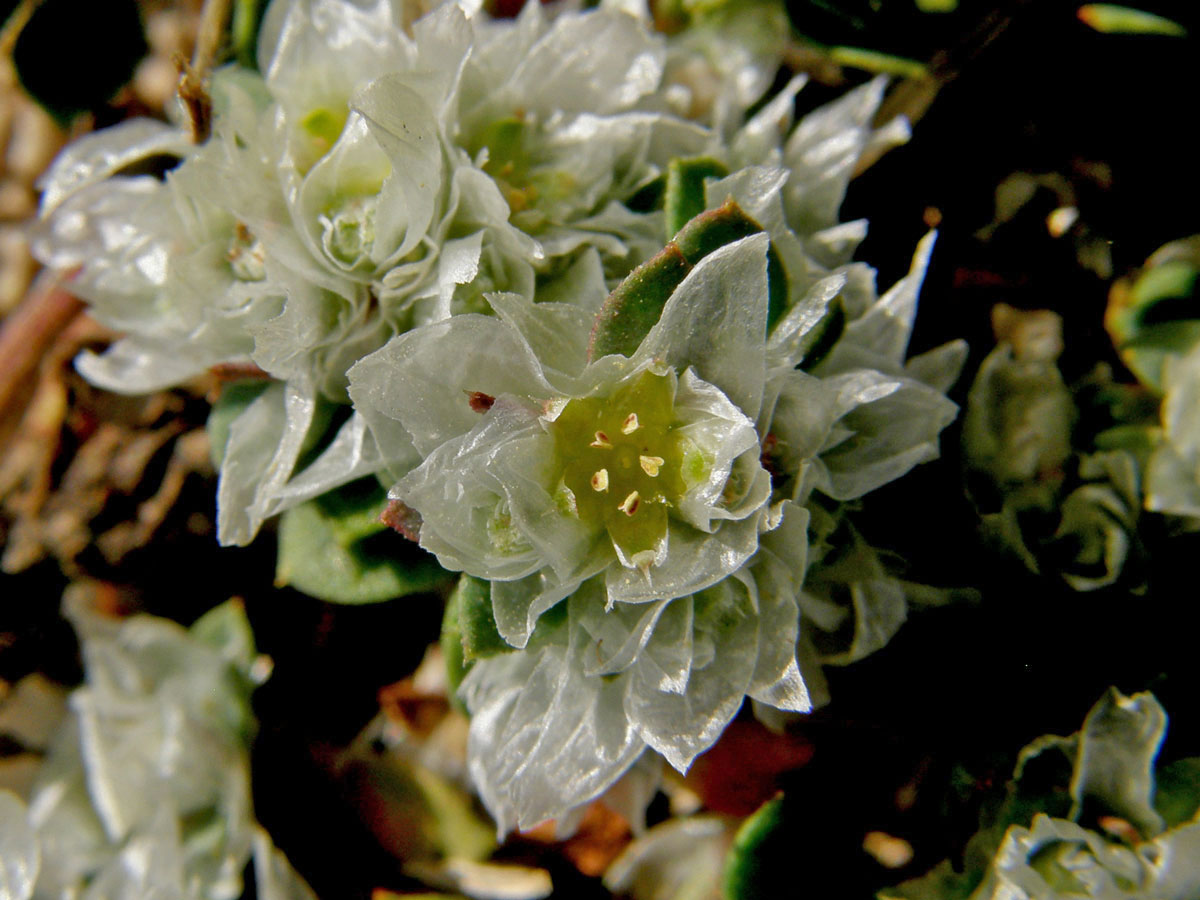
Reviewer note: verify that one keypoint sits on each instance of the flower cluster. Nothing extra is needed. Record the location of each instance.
(439, 245)
(145, 790)
(1038, 842)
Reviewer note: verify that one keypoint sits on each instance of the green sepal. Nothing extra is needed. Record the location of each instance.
(336, 549)
(685, 189)
(747, 873)
(636, 304)
(234, 399)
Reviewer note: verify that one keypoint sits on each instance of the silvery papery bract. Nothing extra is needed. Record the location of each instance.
(633, 487)
(367, 182)
(145, 790)
(1173, 470)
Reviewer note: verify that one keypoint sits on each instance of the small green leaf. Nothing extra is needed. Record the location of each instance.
(1108, 18)
(631, 310)
(480, 637)
(452, 648)
(232, 403)
(746, 865)
(714, 229)
(636, 304)
(939, 883)
(335, 548)
(820, 340)
(879, 63)
(1177, 791)
(685, 189)
(243, 28)
(226, 629)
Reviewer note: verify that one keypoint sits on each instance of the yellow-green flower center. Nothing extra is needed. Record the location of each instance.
(625, 463)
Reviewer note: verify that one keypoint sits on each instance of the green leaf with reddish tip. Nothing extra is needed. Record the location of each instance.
(746, 869)
(633, 308)
(1108, 18)
(335, 548)
(685, 189)
(636, 304)
(712, 229)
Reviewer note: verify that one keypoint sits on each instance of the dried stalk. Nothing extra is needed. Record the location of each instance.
(193, 80)
(25, 335)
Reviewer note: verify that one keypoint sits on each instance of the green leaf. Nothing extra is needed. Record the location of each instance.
(243, 30)
(821, 339)
(939, 883)
(335, 548)
(636, 304)
(480, 637)
(234, 399)
(685, 189)
(747, 870)
(451, 645)
(713, 229)
(1109, 18)
(1177, 791)
(879, 63)
(631, 310)
(226, 629)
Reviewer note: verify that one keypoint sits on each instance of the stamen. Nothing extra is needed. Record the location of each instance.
(630, 425)
(600, 480)
(651, 464)
(601, 441)
(630, 504)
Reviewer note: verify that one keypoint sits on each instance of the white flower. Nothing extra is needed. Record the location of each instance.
(145, 789)
(368, 182)
(674, 618)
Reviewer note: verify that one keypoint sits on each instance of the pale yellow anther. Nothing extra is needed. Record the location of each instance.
(651, 464)
(630, 504)
(630, 425)
(601, 441)
(600, 480)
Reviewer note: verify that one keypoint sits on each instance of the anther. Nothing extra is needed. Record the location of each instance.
(600, 480)
(601, 441)
(630, 425)
(651, 464)
(630, 504)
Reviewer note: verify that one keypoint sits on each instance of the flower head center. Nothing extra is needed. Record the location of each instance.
(622, 460)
